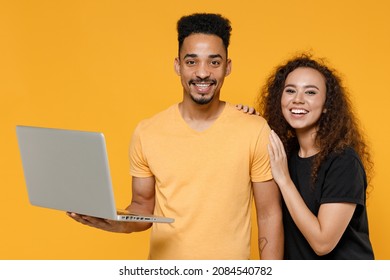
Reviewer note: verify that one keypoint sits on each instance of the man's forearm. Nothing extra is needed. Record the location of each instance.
(271, 240)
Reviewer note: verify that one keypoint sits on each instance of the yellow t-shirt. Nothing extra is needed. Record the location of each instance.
(203, 180)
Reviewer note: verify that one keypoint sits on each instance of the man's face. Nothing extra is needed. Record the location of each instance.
(202, 67)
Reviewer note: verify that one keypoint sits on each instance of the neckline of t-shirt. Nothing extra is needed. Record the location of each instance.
(305, 158)
(209, 129)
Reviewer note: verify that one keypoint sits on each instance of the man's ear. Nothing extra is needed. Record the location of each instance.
(177, 66)
(228, 67)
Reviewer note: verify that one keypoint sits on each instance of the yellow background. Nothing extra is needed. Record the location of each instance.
(105, 65)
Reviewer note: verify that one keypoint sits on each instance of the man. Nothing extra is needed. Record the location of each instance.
(201, 161)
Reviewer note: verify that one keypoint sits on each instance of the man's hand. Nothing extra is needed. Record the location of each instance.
(104, 224)
(247, 109)
(142, 202)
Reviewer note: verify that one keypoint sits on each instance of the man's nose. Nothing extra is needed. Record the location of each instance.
(202, 71)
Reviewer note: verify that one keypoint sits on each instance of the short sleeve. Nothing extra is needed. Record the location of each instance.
(345, 180)
(261, 168)
(138, 163)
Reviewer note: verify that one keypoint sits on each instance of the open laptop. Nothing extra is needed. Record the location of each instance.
(68, 170)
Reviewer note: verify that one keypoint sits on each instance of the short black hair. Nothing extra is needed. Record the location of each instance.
(204, 23)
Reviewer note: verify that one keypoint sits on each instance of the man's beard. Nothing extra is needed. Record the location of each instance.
(202, 100)
(199, 98)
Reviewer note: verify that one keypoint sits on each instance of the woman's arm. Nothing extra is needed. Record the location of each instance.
(322, 232)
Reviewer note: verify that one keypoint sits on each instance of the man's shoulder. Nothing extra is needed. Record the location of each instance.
(158, 118)
(245, 119)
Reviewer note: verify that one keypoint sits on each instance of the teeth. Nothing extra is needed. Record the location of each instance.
(298, 111)
(202, 85)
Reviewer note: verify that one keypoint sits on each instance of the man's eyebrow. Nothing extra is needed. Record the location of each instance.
(193, 55)
(215, 56)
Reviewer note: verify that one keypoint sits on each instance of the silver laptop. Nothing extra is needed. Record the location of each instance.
(68, 170)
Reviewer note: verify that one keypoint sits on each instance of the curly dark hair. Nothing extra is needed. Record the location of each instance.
(338, 128)
(204, 23)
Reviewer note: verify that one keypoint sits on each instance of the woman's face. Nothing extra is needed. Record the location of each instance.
(303, 99)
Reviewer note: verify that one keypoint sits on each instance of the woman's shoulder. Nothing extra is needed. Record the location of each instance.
(346, 153)
(347, 157)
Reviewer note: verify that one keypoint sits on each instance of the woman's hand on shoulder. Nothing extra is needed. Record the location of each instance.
(246, 109)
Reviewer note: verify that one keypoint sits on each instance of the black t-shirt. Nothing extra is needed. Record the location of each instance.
(341, 178)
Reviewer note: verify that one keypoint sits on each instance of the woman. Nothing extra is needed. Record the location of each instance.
(319, 159)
